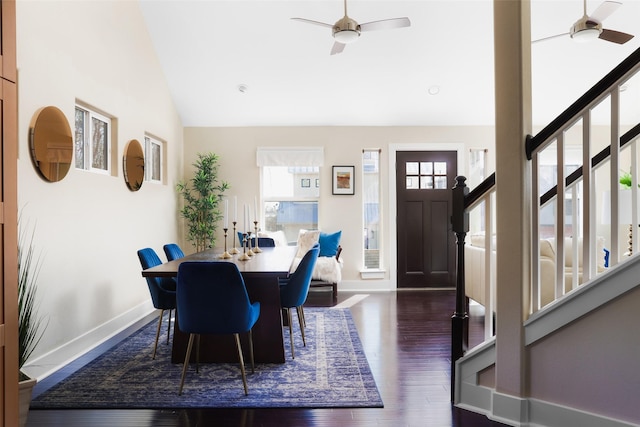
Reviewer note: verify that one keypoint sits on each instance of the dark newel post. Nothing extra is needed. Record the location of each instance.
(460, 318)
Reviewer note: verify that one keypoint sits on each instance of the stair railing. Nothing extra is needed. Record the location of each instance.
(578, 184)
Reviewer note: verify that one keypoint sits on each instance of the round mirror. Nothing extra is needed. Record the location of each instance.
(51, 144)
(133, 165)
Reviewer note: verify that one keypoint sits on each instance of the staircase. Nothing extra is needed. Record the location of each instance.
(582, 348)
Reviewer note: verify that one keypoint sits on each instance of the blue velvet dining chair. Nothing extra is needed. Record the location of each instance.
(263, 242)
(173, 251)
(212, 299)
(294, 291)
(162, 289)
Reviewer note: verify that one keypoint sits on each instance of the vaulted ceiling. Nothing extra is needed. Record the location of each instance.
(438, 71)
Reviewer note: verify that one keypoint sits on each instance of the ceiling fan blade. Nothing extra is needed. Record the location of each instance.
(604, 10)
(550, 37)
(615, 36)
(309, 21)
(385, 24)
(337, 48)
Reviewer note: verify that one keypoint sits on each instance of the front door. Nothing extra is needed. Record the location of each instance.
(426, 245)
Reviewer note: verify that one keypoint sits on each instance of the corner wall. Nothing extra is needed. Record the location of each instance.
(88, 227)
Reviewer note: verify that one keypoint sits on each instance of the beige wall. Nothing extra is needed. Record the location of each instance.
(342, 146)
(90, 226)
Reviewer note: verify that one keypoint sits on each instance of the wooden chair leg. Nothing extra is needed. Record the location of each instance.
(169, 327)
(302, 324)
(157, 334)
(244, 375)
(197, 353)
(186, 362)
(301, 312)
(293, 352)
(253, 365)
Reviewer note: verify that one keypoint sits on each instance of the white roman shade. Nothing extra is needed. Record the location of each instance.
(290, 156)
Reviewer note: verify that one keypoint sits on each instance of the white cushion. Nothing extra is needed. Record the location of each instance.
(306, 239)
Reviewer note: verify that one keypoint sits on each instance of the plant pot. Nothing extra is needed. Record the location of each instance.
(26, 389)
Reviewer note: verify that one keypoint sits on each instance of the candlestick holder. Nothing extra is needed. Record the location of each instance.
(244, 256)
(250, 251)
(256, 248)
(225, 254)
(234, 250)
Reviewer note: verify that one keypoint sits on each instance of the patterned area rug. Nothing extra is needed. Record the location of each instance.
(331, 371)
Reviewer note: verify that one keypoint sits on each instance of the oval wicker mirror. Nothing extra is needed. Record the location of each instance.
(51, 144)
(133, 165)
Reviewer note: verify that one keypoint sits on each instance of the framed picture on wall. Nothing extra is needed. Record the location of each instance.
(305, 182)
(343, 180)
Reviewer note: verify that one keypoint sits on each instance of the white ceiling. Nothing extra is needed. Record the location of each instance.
(208, 48)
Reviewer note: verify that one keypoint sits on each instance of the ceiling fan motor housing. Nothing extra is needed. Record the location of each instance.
(346, 30)
(585, 29)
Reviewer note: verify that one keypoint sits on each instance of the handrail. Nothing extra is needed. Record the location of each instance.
(603, 155)
(481, 189)
(534, 142)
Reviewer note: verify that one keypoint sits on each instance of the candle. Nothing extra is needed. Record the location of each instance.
(235, 208)
(255, 209)
(226, 213)
(244, 224)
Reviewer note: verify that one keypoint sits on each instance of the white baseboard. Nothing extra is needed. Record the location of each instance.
(527, 412)
(547, 414)
(43, 366)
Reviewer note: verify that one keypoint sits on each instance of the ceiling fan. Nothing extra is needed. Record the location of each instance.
(347, 30)
(589, 27)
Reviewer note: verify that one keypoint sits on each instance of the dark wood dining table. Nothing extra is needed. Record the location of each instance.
(260, 274)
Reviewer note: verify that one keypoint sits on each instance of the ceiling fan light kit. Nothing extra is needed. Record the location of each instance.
(589, 27)
(347, 30)
(585, 30)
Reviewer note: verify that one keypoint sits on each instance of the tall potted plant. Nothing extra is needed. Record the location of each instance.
(202, 195)
(30, 324)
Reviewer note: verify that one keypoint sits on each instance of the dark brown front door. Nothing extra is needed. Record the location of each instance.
(426, 245)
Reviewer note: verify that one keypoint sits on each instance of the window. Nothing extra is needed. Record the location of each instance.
(290, 183)
(92, 140)
(152, 159)
(290, 201)
(426, 175)
(371, 207)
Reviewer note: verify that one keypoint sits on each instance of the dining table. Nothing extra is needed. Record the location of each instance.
(260, 273)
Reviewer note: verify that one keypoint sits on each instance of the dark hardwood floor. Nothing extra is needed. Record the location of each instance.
(406, 337)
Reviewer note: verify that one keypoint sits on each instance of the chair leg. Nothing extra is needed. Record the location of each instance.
(301, 313)
(198, 353)
(293, 352)
(302, 323)
(157, 334)
(253, 365)
(169, 327)
(186, 362)
(244, 375)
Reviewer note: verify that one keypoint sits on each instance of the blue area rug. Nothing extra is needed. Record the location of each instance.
(331, 371)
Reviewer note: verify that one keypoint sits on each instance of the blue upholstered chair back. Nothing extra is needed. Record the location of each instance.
(162, 289)
(212, 299)
(173, 251)
(263, 242)
(294, 293)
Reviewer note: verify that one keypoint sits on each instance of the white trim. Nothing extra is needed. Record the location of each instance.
(393, 149)
(620, 278)
(45, 365)
(548, 414)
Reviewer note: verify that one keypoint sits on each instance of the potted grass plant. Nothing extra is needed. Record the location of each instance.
(30, 324)
(202, 196)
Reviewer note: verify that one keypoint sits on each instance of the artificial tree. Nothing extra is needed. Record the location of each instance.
(202, 195)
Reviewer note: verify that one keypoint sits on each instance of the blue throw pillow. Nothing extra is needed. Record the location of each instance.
(329, 243)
